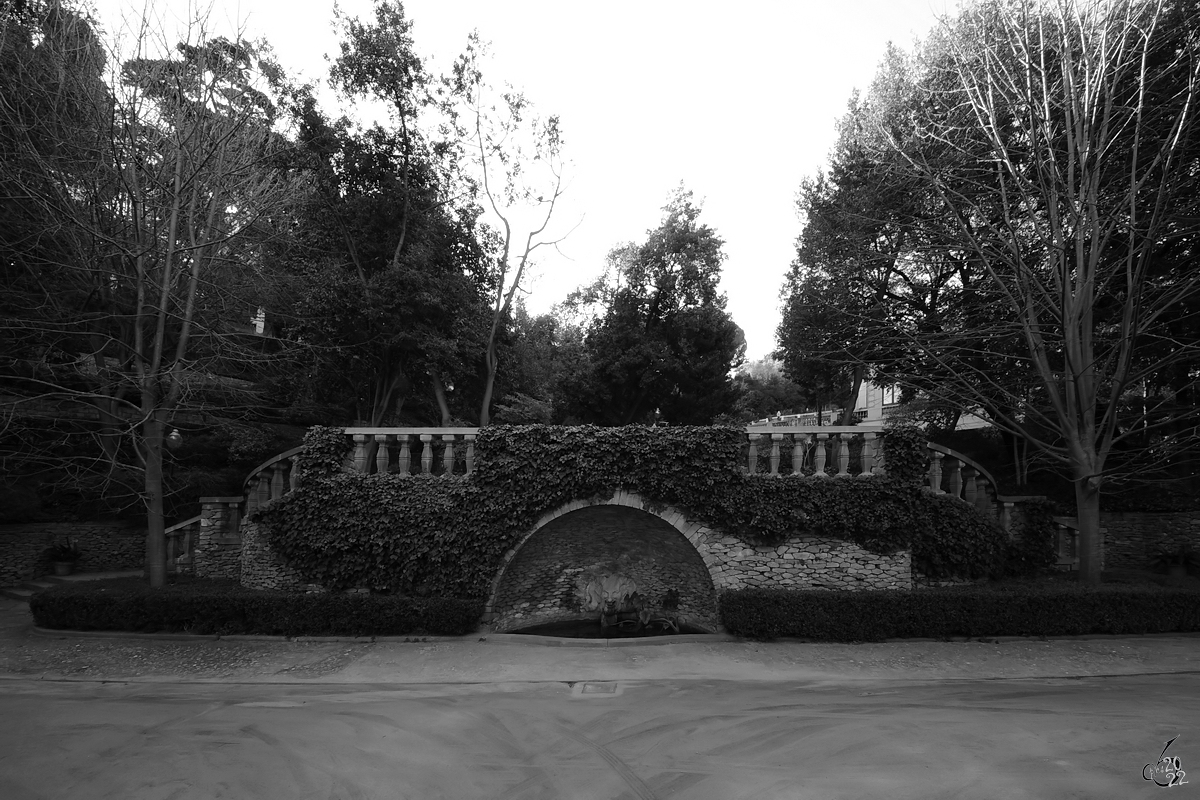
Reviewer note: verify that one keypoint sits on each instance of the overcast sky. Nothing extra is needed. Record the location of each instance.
(736, 100)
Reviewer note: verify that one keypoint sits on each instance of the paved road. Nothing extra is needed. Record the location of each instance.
(632, 740)
(159, 718)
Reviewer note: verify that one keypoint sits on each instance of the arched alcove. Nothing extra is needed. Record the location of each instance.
(538, 581)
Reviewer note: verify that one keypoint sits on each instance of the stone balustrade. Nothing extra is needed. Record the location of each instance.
(828, 451)
(772, 449)
(412, 451)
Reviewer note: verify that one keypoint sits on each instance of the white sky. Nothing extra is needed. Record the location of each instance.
(736, 100)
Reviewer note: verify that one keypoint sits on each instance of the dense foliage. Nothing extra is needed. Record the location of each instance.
(445, 535)
(944, 613)
(223, 607)
(661, 340)
(1034, 546)
(324, 452)
(1009, 223)
(904, 453)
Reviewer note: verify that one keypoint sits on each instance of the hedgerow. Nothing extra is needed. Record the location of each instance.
(969, 611)
(223, 607)
(446, 535)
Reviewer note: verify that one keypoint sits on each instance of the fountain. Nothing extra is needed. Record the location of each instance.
(622, 611)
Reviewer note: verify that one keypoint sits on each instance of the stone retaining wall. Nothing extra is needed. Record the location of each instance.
(218, 550)
(1131, 539)
(105, 546)
(807, 562)
(261, 567)
(538, 582)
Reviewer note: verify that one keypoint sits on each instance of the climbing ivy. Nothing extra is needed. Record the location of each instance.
(1033, 548)
(325, 451)
(446, 535)
(904, 451)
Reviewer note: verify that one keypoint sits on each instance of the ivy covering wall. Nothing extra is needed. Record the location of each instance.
(446, 535)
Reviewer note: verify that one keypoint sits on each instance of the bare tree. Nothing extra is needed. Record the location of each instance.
(510, 146)
(143, 277)
(1078, 120)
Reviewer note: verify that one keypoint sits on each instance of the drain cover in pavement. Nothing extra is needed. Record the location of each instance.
(597, 688)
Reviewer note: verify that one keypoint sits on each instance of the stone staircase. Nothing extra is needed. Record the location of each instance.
(26, 589)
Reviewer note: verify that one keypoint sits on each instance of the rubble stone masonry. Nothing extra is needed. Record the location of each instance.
(105, 546)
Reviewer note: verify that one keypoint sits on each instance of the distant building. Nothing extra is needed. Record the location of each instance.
(873, 406)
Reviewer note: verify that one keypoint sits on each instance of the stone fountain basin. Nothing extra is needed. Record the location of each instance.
(590, 629)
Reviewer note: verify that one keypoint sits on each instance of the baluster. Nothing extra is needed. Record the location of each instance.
(1006, 514)
(448, 455)
(799, 449)
(881, 457)
(954, 479)
(404, 460)
(868, 454)
(752, 459)
(381, 453)
(264, 487)
(819, 455)
(426, 453)
(277, 481)
(776, 438)
(982, 501)
(971, 488)
(470, 437)
(935, 472)
(293, 474)
(252, 496)
(360, 452)
(843, 455)
(1063, 541)
(187, 548)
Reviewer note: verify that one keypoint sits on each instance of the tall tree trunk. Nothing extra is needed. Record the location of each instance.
(156, 540)
(1087, 512)
(492, 362)
(855, 386)
(439, 394)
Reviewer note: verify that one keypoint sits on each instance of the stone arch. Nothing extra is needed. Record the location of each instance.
(669, 522)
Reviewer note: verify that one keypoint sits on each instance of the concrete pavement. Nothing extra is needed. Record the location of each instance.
(593, 740)
(118, 716)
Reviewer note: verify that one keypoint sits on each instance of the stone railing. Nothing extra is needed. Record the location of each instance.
(952, 473)
(827, 450)
(833, 451)
(407, 451)
(181, 544)
(271, 479)
(838, 451)
(411, 451)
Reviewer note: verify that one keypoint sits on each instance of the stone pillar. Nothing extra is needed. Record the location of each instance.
(219, 545)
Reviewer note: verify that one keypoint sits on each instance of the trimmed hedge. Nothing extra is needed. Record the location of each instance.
(970, 611)
(223, 607)
(447, 534)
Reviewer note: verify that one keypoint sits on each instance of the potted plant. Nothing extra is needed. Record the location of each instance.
(1176, 561)
(63, 554)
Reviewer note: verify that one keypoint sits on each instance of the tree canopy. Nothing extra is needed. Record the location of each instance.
(661, 341)
(1024, 245)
